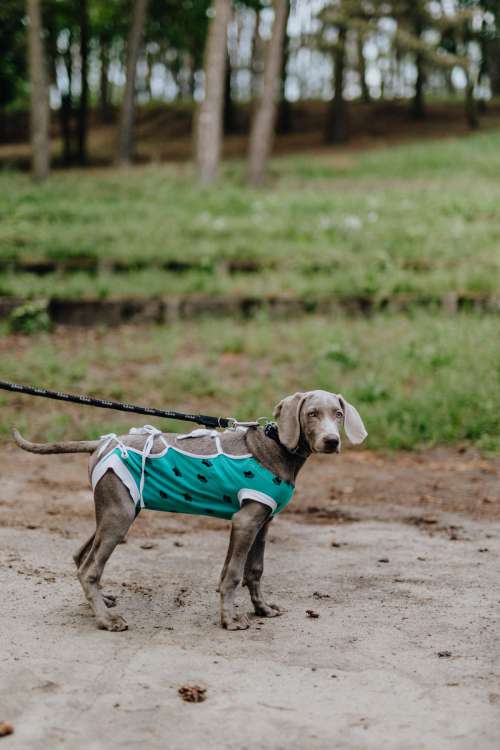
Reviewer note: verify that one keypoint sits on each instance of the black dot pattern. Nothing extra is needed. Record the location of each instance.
(188, 483)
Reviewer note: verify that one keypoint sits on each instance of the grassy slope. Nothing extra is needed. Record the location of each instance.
(417, 380)
(421, 217)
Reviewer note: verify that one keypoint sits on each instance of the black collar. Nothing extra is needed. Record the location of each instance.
(271, 431)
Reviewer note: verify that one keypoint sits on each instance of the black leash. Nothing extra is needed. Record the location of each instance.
(213, 422)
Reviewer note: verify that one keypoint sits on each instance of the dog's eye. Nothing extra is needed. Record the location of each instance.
(312, 413)
(339, 414)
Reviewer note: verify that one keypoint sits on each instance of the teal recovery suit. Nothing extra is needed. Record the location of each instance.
(178, 481)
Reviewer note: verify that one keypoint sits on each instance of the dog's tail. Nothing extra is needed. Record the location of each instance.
(73, 446)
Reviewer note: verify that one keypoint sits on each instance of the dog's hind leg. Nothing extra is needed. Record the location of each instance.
(80, 555)
(254, 567)
(115, 514)
(83, 551)
(226, 562)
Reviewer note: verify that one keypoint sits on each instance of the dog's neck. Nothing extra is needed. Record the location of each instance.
(274, 456)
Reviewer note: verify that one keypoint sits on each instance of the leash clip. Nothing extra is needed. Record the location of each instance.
(233, 423)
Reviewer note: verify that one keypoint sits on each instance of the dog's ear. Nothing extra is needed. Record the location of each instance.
(353, 424)
(287, 413)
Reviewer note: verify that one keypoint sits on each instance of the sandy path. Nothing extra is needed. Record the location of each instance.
(365, 674)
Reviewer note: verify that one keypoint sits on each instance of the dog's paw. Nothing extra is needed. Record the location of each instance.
(240, 622)
(113, 623)
(268, 610)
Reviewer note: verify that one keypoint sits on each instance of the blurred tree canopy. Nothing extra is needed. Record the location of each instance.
(13, 68)
(176, 30)
(333, 50)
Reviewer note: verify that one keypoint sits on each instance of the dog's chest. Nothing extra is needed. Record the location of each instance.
(213, 485)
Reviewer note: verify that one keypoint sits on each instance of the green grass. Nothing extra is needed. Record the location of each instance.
(417, 380)
(413, 218)
(354, 280)
(421, 218)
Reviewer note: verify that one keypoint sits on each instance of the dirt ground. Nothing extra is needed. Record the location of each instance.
(398, 555)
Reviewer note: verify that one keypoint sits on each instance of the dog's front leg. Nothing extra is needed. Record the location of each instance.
(246, 525)
(254, 567)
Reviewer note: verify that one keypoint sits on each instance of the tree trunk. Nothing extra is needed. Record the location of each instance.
(256, 58)
(493, 53)
(185, 77)
(66, 109)
(483, 66)
(124, 153)
(262, 130)
(209, 118)
(337, 125)
(150, 61)
(191, 85)
(418, 105)
(229, 114)
(104, 80)
(470, 103)
(40, 113)
(65, 124)
(450, 88)
(365, 92)
(84, 86)
(284, 122)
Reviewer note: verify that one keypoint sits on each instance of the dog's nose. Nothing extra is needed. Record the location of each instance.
(331, 443)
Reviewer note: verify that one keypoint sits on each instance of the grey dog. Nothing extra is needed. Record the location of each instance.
(307, 423)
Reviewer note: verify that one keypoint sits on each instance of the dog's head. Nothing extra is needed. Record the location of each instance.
(315, 418)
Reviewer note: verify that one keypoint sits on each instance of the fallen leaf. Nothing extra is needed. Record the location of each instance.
(312, 613)
(192, 693)
(6, 728)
